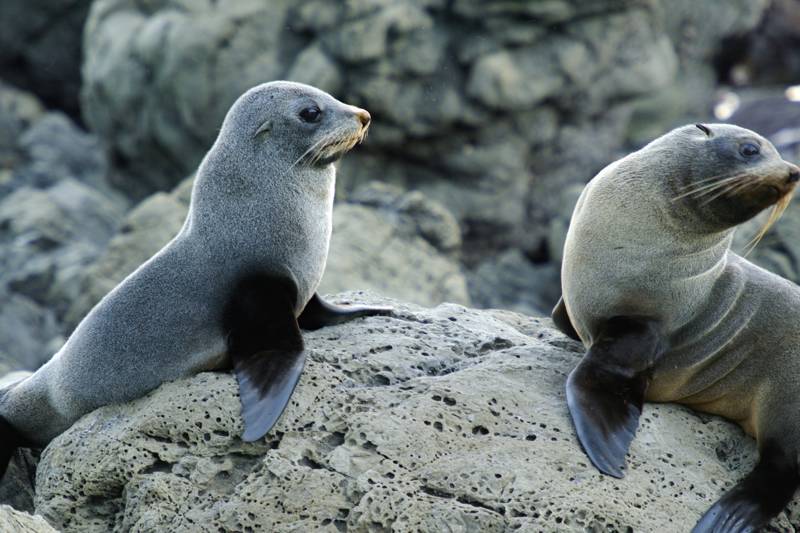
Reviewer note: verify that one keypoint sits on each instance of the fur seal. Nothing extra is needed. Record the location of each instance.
(235, 285)
(669, 313)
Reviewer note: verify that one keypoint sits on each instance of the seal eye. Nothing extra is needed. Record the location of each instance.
(311, 114)
(749, 149)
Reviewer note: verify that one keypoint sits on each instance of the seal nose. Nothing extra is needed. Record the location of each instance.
(364, 116)
(794, 173)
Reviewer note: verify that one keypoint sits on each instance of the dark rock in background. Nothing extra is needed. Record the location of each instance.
(488, 118)
(57, 211)
(769, 54)
(40, 48)
(485, 107)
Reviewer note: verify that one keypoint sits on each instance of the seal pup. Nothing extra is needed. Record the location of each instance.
(234, 286)
(669, 313)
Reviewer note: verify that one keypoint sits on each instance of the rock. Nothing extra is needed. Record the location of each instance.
(40, 48)
(19, 522)
(487, 109)
(18, 110)
(767, 54)
(369, 252)
(399, 244)
(57, 211)
(512, 281)
(433, 419)
(27, 333)
(17, 485)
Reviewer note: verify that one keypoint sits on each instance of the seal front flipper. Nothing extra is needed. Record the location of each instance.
(756, 499)
(266, 348)
(562, 321)
(318, 313)
(606, 390)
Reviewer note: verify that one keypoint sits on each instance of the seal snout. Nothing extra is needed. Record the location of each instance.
(794, 174)
(364, 117)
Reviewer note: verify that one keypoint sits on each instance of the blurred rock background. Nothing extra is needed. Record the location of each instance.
(488, 117)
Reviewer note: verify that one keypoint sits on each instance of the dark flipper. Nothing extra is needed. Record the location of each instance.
(562, 321)
(266, 349)
(319, 313)
(606, 390)
(756, 499)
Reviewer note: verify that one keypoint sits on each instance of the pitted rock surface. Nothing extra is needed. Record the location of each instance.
(443, 419)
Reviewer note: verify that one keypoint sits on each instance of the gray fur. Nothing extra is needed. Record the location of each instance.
(634, 249)
(259, 204)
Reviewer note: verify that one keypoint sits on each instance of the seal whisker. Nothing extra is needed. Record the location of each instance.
(705, 180)
(709, 188)
(774, 215)
(728, 188)
(700, 186)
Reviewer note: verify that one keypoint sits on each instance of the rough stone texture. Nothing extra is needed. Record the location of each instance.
(15, 521)
(510, 281)
(57, 210)
(396, 243)
(486, 107)
(40, 48)
(769, 54)
(443, 419)
(400, 244)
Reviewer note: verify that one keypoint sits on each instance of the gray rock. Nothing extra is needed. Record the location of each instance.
(488, 108)
(434, 419)
(27, 332)
(40, 48)
(512, 281)
(17, 485)
(57, 211)
(18, 110)
(20, 522)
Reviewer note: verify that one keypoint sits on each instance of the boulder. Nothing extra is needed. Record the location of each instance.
(40, 48)
(488, 108)
(431, 419)
(57, 211)
(20, 522)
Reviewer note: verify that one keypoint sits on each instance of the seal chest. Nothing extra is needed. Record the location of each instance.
(236, 284)
(669, 313)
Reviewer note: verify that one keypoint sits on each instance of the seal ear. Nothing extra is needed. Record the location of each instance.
(705, 129)
(265, 127)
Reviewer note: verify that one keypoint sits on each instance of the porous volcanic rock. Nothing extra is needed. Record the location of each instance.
(443, 419)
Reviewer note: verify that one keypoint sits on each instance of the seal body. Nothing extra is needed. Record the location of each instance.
(669, 313)
(261, 210)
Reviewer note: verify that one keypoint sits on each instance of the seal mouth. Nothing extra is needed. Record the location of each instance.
(756, 190)
(334, 145)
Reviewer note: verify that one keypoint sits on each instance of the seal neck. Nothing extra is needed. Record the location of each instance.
(247, 190)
